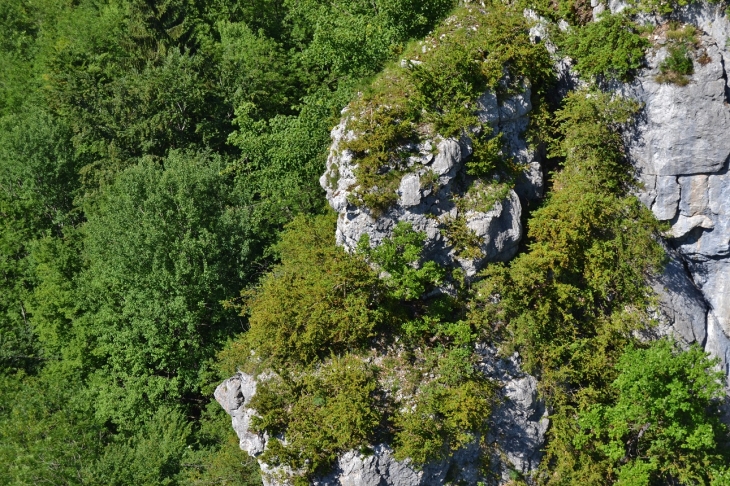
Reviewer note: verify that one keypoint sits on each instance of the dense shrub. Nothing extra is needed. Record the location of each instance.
(320, 300)
(408, 277)
(436, 93)
(446, 413)
(152, 152)
(572, 300)
(610, 47)
(313, 323)
(664, 422)
(322, 413)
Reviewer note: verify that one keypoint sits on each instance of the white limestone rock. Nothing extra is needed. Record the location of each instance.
(680, 149)
(683, 225)
(379, 468)
(517, 433)
(518, 424)
(234, 395)
(684, 128)
(428, 207)
(666, 199)
(682, 309)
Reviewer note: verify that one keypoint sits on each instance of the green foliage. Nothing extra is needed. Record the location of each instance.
(665, 7)
(335, 46)
(436, 92)
(355, 37)
(323, 413)
(320, 307)
(481, 196)
(664, 423)
(163, 246)
(408, 276)
(573, 299)
(256, 69)
(686, 34)
(121, 231)
(676, 67)
(487, 156)
(610, 47)
(47, 434)
(678, 64)
(216, 457)
(283, 157)
(319, 301)
(465, 241)
(446, 413)
(151, 153)
(38, 184)
(151, 455)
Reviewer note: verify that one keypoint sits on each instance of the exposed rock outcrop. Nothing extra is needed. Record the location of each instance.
(517, 432)
(518, 425)
(427, 206)
(680, 149)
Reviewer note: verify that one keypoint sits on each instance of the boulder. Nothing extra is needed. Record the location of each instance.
(435, 179)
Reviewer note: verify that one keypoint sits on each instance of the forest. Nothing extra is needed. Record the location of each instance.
(161, 222)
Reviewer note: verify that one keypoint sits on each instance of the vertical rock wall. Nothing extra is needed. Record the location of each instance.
(680, 148)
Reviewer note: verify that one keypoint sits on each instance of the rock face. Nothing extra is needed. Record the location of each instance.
(517, 433)
(234, 395)
(518, 425)
(427, 196)
(680, 149)
(428, 191)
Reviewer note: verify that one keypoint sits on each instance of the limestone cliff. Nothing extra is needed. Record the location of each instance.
(680, 150)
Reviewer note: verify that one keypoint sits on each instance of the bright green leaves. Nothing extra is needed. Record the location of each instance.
(38, 183)
(610, 47)
(664, 422)
(332, 409)
(486, 157)
(319, 301)
(152, 455)
(48, 433)
(678, 65)
(164, 245)
(408, 276)
(120, 235)
(256, 70)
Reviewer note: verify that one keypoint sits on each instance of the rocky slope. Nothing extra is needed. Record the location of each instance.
(517, 432)
(426, 205)
(518, 424)
(680, 150)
